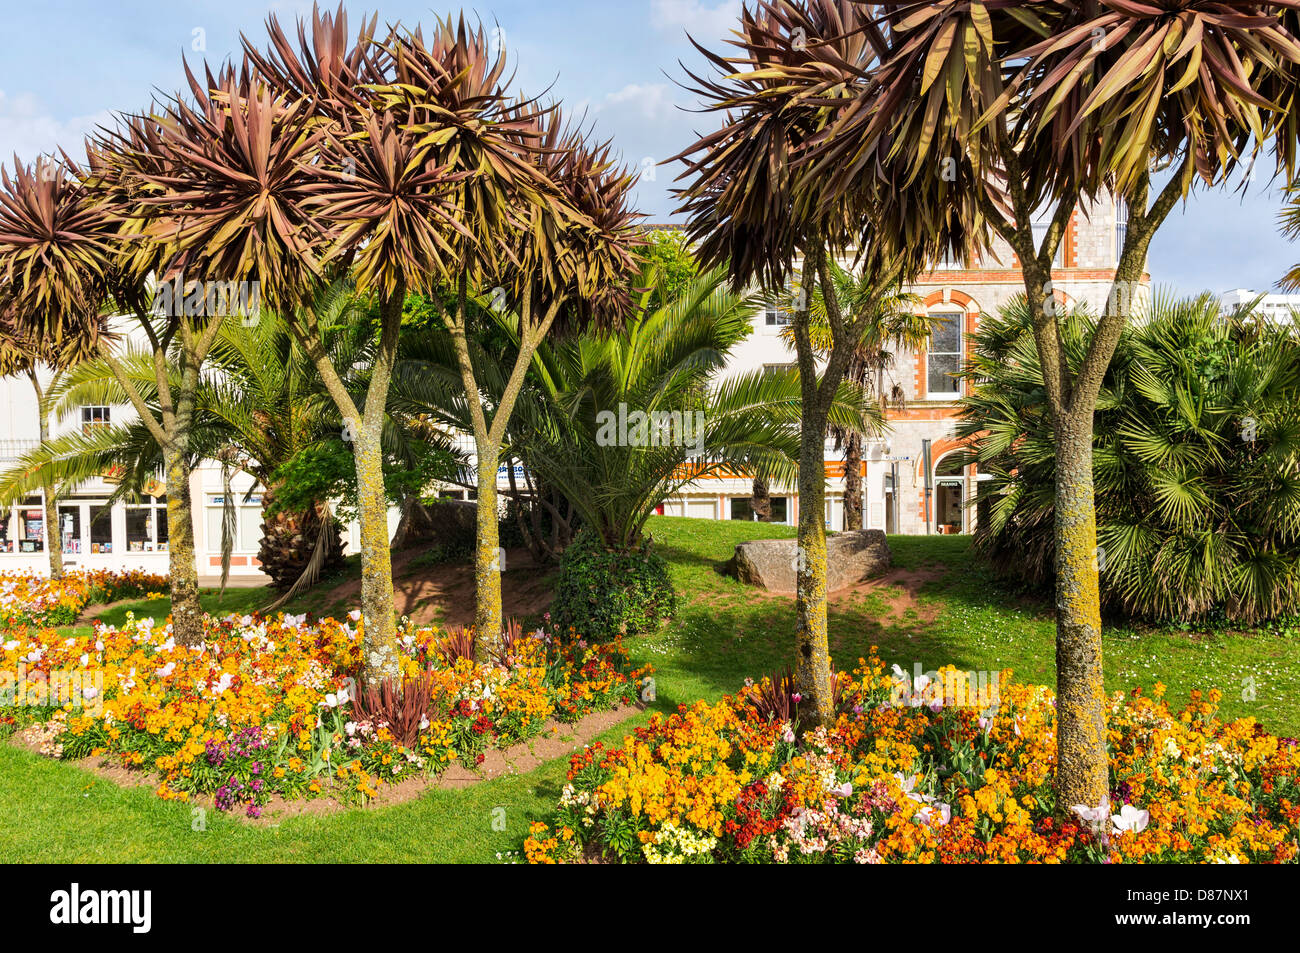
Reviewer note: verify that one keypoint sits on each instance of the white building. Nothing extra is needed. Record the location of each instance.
(1278, 307)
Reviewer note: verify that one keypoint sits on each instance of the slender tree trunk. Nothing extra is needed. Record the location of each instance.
(378, 611)
(1081, 775)
(761, 502)
(53, 536)
(187, 609)
(489, 437)
(853, 481)
(487, 548)
(813, 669)
(813, 664)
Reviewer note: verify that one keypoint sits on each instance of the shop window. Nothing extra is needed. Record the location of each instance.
(248, 522)
(31, 529)
(146, 526)
(70, 528)
(101, 529)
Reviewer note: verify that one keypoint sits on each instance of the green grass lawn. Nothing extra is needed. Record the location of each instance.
(723, 633)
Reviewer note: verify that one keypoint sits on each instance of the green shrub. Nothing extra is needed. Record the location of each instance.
(1196, 462)
(602, 594)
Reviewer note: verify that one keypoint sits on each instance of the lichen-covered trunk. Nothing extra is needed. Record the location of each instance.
(487, 548)
(187, 610)
(1081, 763)
(853, 481)
(378, 613)
(53, 538)
(813, 671)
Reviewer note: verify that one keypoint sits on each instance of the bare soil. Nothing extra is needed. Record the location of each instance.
(557, 740)
(445, 593)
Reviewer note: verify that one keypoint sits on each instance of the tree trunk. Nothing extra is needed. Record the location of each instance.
(487, 554)
(761, 502)
(853, 481)
(187, 609)
(813, 662)
(813, 670)
(378, 612)
(53, 536)
(290, 541)
(1081, 774)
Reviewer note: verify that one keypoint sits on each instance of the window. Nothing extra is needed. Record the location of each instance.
(248, 522)
(779, 368)
(92, 418)
(6, 540)
(742, 510)
(70, 528)
(101, 529)
(31, 527)
(1040, 235)
(943, 361)
(775, 317)
(146, 526)
(1121, 227)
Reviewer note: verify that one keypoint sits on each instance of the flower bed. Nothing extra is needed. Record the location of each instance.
(37, 600)
(267, 706)
(907, 782)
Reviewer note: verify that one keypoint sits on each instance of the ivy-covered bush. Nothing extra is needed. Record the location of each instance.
(602, 594)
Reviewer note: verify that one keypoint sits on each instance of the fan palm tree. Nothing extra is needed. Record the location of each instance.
(885, 325)
(1196, 460)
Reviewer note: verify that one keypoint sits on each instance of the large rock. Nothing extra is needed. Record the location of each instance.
(851, 558)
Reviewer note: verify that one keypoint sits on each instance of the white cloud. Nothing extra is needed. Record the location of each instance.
(28, 129)
(649, 101)
(706, 22)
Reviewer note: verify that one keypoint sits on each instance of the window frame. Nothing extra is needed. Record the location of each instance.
(959, 319)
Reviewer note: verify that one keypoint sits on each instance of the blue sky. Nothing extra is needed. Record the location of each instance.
(65, 65)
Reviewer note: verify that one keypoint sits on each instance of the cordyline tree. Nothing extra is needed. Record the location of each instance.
(1002, 114)
(54, 267)
(427, 174)
(566, 260)
(749, 210)
(22, 352)
(177, 184)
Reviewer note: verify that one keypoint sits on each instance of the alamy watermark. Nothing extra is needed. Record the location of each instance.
(655, 428)
(36, 689)
(948, 689)
(213, 299)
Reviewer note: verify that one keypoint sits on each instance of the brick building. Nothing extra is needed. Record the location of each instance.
(894, 477)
